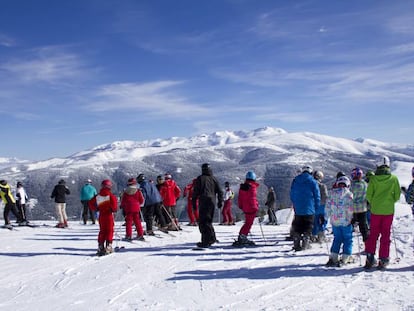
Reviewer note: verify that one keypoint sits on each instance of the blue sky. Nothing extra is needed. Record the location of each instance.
(80, 73)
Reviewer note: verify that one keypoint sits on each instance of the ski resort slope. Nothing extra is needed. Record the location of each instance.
(46, 268)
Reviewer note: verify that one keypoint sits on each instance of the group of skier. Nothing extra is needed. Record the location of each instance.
(345, 205)
(362, 201)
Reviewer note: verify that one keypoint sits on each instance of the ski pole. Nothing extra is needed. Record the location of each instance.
(359, 248)
(169, 216)
(261, 229)
(397, 259)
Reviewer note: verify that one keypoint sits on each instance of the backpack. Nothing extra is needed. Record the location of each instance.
(409, 194)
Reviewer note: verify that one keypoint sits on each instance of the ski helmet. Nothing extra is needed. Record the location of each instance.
(318, 175)
(88, 181)
(167, 176)
(251, 175)
(383, 161)
(226, 184)
(132, 181)
(141, 178)
(19, 184)
(106, 183)
(343, 180)
(340, 174)
(62, 182)
(357, 173)
(307, 168)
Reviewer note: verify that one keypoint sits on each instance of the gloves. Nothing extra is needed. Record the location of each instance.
(220, 205)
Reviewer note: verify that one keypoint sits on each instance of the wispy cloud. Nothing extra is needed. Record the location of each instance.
(50, 64)
(7, 41)
(153, 98)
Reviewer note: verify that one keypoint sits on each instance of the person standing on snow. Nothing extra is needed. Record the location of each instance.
(305, 196)
(106, 203)
(152, 205)
(319, 221)
(359, 190)
(132, 200)
(228, 218)
(192, 215)
(9, 203)
(88, 191)
(207, 190)
(59, 194)
(409, 193)
(21, 200)
(271, 206)
(340, 210)
(382, 194)
(247, 202)
(170, 193)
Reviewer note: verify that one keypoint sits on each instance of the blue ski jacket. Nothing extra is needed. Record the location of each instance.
(150, 193)
(305, 194)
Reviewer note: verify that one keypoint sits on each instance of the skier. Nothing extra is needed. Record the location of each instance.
(382, 193)
(319, 222)
(152, 205)
(305, 196)
(271, 206)
(368, 174)
(359, 190)
(88, 191)
(170, 193)
(188, 193)
(132, 200)
(106, 204)
(228, 218)
(21, 199)
(340, 210)
(247, 202)
(9, 204)
(409, 193)
(207, 190)
(59, 194)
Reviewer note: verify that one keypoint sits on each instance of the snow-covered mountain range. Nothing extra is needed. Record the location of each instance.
(274, 154)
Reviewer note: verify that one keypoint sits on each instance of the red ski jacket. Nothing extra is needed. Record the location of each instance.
(132, 200)
(170, 192)
(247, 200)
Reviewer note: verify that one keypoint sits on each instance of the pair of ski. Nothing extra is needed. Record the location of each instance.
(197, 248)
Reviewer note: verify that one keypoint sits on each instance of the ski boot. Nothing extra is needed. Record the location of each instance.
(333, 260)
(109, 248)
(371, 261)
(296, 242)
(141, 238)
(347, 259)
(383, 263)
(101, 250)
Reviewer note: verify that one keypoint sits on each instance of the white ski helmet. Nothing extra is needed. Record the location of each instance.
(307, 168)
(344, 180)
(383, 161)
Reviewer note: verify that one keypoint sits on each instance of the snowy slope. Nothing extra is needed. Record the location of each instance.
(54, 269)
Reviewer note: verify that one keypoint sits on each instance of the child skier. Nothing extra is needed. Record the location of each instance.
(131, 202)
(340, 210)
(248, 203)
(106, 204)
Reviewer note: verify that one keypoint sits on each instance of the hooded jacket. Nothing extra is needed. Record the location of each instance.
(170, 192)
(247, 199)
(305, 194)
(132, 199)
(339, 207)
(383, 191)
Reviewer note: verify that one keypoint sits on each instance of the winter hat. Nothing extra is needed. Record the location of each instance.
(3, 182)
(62, 182)
(19, 184)
(226, 184)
